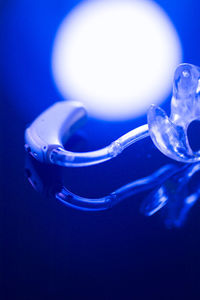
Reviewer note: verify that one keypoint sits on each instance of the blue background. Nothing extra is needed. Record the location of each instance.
(49, 251)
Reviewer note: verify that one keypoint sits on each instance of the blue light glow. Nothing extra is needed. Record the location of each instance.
(116, 57)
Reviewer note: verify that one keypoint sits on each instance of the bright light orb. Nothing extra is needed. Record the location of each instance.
(116, 57)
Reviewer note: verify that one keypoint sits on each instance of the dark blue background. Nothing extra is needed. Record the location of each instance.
(49, 251)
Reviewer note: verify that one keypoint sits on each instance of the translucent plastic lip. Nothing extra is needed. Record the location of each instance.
(169, 133)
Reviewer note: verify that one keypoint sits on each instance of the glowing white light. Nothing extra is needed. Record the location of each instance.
(117, 57)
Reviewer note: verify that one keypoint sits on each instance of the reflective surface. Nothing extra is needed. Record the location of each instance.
(177, 194)
(48, 249)
(49, 181)
(172, 185)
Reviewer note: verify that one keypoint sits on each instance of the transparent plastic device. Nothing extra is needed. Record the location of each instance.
(47, 134)
(169, 134)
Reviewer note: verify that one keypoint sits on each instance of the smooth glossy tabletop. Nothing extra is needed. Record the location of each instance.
(48, 248)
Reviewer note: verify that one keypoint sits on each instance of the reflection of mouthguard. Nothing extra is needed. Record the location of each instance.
(174, 193)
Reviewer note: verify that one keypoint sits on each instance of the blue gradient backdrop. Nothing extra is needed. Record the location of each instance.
(49, 251)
